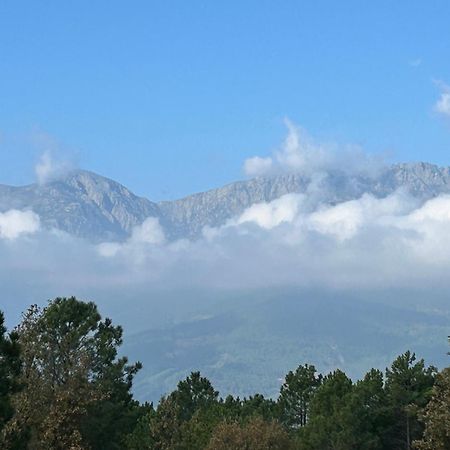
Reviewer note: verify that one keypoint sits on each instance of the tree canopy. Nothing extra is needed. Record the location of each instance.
(10, 368)
(63, 385)
(70, 374)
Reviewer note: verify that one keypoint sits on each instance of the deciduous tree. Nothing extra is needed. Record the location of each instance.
(257, 434)
(437, 416)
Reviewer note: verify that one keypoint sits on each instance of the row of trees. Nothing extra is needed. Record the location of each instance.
(63, 386)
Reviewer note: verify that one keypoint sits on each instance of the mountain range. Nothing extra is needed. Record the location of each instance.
(91, 206)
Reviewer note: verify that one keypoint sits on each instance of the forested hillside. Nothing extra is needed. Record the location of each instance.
(63, 385)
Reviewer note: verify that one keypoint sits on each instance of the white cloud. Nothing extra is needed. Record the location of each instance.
(48, 167)
(442, 105)
(300, 153)
(14, 223)
(346, 219)
(430, 223)
(257, 166)
(149, 232)
(342, 221)
(270, 215)
(435, 210)
(297, 153)
(44, 168)
(359, 245)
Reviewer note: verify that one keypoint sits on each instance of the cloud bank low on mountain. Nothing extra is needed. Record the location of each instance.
(365, 243)
(14, 223)
(356, 244)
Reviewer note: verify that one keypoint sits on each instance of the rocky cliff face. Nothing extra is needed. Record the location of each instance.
(93, 207)
(186, 217)
(83, 204)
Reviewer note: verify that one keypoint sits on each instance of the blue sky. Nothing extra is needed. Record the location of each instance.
(170, 97)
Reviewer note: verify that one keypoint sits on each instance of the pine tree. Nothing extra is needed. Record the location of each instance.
(327, 426)
(296, 394)
(194, 393)
(10, 367)
(408, 386)
(70, 369)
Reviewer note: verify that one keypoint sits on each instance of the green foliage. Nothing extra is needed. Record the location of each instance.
(109, 418)
(257, 434)
(140, 437)
(10, 366)
(259, 406)
(329, 415)
(408, 387)
(296, 394)
(346, 416)
(76, 391)
(436, 416)
(369, 411)
(63, 386)
(185, 418)
(192, 394)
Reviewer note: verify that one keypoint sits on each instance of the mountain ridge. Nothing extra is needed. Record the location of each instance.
(97, 208)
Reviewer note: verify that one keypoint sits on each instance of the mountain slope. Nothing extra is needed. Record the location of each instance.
(251, 345)
(83, 204)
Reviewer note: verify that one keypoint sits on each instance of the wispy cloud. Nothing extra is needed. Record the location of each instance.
(415, 62)
(302, 153)
(55, 159)
(257, 166)
(442, 105)
(49, 167)
(298, 152)
(148, 234)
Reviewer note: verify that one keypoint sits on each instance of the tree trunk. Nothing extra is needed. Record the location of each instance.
(408, 438)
